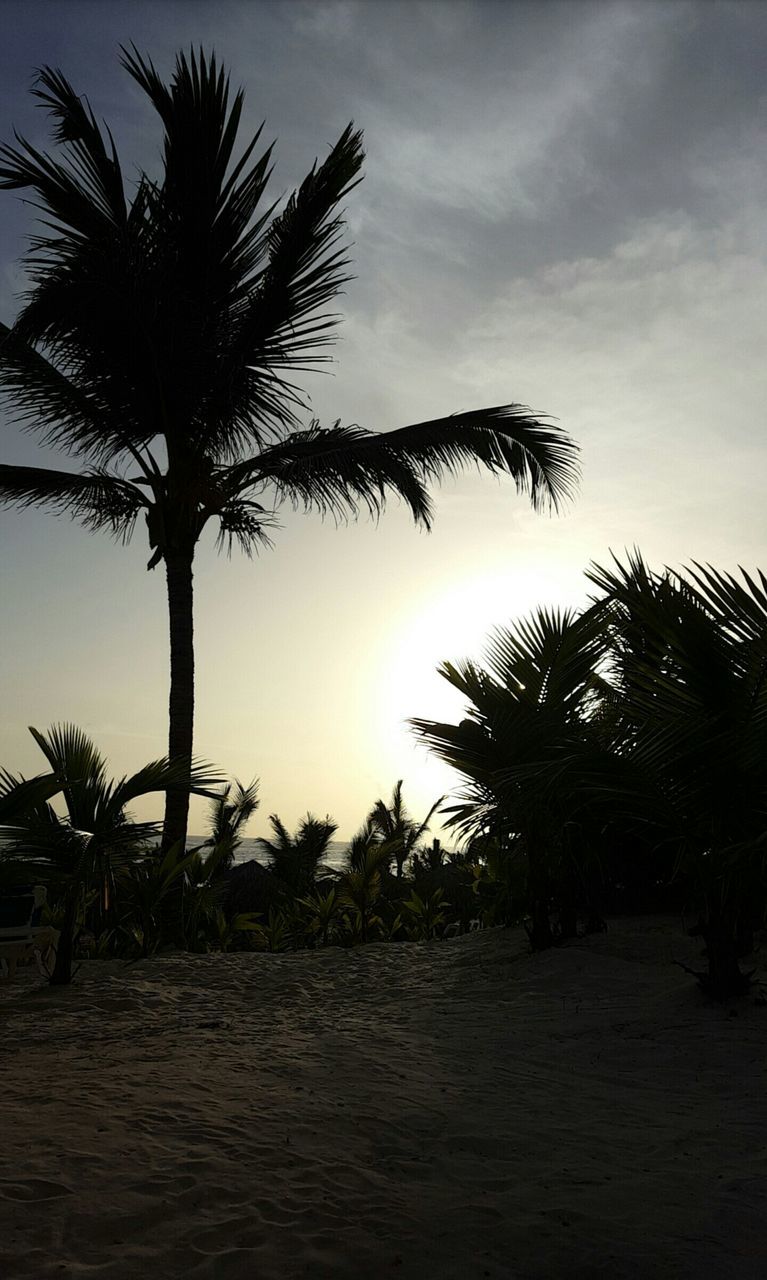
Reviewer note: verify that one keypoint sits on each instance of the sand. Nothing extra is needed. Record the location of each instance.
(457, 1109)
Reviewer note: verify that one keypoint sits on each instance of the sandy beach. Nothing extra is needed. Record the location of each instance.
(458, 1109)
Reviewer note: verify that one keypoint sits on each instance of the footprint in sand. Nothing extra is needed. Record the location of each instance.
(32, 1189)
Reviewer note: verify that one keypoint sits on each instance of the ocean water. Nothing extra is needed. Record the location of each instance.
(250, 849)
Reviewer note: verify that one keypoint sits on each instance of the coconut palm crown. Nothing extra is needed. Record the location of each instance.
(160, 337)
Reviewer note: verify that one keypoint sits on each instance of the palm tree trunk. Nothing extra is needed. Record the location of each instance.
(539, 889)
(62, 968)
(536, 844)
(178, 570)
(724, 979)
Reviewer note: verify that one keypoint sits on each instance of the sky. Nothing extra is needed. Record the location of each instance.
(564, 207)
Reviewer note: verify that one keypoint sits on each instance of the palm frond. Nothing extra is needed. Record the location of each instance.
(285, 322)
(45, 400)
(83, 195)
(362, 841)
(199, 777)
(246, 523)
(231, 809)
(419, 829)
(48, 847)
(214, 254)
(97, 499)
(550, 656)
(76, 760)
(740, 607)
(19, 796)
(507, 439)
(336, 469)
(467, 747)
(282, 840)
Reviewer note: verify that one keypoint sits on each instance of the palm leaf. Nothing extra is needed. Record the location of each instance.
(83, 195)
(48, 401)
(231, 810)
(96, 499)
(305, 269)
(159, 775)
(19, 796)
(338, 468)
(507, 439)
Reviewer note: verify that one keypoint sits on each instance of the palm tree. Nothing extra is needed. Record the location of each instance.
(360, 845)
(295, 860)
(160, 335)
(691, 673)
(396, 830)
(360, 883)
(529, 712)
(83, 851)
(431, 857)
(230, 812)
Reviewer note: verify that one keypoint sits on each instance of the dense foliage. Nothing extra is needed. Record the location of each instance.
(613, 761)
(623, 751)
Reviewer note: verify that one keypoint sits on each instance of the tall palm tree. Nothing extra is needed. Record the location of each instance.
(160, 335)
(83, 850)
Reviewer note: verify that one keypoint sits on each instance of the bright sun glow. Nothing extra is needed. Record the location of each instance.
(452, 624)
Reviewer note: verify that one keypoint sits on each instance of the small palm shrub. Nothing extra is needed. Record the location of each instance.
(424, 917)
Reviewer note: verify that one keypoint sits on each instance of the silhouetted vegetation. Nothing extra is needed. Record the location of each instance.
(96, 863)
(613, 761)
(617, 758)
(162, 333)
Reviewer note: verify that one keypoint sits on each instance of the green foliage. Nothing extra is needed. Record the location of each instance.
(323, 922)
(499, 884)
(425, 915)
(152, 898)
(230, 934)
(359, 888)
(691, 674)
(530, 711)
(276, 934)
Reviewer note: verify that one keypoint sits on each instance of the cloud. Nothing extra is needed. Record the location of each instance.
(653, 357)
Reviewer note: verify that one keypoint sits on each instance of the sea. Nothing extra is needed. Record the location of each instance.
(251, 849)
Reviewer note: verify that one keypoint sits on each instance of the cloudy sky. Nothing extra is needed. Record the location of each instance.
(564, 206)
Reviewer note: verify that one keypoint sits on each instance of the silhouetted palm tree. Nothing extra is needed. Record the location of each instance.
(230, 813)
(296, 859)
(83, 850)
(160, 336)
(691, 674)
(360, 844)
(360, 883)
(529, 712)
(397, 831)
